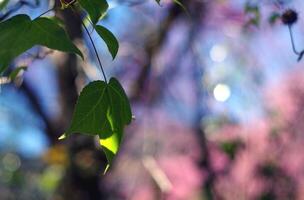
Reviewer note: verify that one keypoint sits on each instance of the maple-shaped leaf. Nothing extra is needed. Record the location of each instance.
(102, 109)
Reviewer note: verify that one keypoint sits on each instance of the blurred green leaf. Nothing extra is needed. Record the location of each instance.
(16, 71)
(20, 33)
(3, 4)
(231, 147)
(251, 8)
(254, 22)
(253, 12)
(109, 39)
(181, 5)
(66, 3)
(102, 109)
(95, 8)
(274, 17)
(50, 178)
(178, 2)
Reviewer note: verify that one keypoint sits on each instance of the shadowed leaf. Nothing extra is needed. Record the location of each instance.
(20, 33)
(95, 8)
(102, 109)
(109, 39)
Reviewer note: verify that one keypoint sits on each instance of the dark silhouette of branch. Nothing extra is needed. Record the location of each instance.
(87, 182)
(197, 10)
(36, 105)
(152, 47)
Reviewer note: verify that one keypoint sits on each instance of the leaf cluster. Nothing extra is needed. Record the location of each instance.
(103, 109)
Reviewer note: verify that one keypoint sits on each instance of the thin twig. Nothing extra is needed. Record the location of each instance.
(93, 44)
(301, 53)
(95, 50)
(292, 41)
(49, 10)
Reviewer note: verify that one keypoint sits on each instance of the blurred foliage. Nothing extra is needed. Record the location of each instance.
(185, 143)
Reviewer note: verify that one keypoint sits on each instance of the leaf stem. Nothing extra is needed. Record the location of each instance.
(95, 50)
(292, 41)
(49, 10)
(299, 54)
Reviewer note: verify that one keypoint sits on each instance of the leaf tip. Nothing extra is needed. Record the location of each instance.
(63, 136)
(106, 169)
(79, 53)
(113, 57)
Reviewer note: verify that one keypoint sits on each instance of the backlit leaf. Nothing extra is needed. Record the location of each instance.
(102, 109)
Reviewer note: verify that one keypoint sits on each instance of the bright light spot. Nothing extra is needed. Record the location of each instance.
(221, 92)
(218, 53)
(11, 162)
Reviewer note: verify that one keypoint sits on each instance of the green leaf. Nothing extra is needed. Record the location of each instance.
(126, 108)
(20, 33)
(274, 17)
(251, 8)
(177, 2)
(13, 39)
(231, 147)
(180, 4)
(66, 3)
(16, 71)
(3, 4)
(102, 109)
(95, 8)
(109, 39)
(47, 32)
(91, 109)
